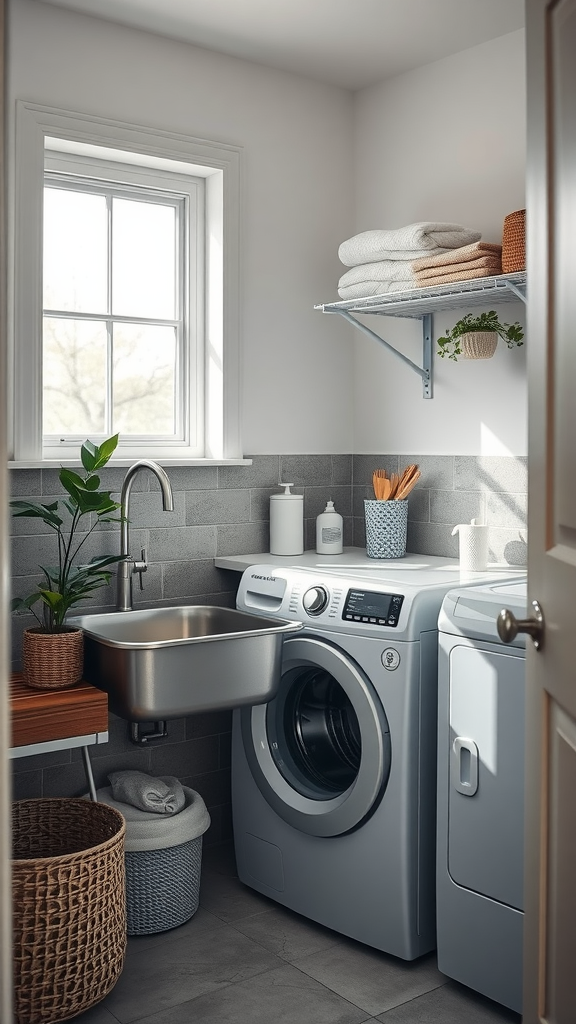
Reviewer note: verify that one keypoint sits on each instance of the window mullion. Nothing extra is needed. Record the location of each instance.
(109, 324)
(67, 314)
(182, 392)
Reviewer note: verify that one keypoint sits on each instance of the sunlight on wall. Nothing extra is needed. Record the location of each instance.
(490, 444)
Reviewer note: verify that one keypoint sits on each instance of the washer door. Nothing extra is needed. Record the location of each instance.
(320, 751)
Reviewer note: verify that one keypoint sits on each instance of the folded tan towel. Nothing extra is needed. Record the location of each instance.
(463, 254)
(406, 243)
(489, 262)
(465, 275)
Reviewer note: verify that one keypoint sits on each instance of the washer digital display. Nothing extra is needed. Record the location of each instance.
(373, 607)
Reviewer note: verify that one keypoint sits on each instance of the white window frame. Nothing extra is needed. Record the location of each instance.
(189, 396)
(39, 128)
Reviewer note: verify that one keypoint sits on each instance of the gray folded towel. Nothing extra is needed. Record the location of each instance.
(162, 795)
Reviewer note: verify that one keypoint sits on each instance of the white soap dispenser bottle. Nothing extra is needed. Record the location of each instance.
(329, 531)
(286, 522)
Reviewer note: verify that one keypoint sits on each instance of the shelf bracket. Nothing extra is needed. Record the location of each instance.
(516, 291)
(424, 371)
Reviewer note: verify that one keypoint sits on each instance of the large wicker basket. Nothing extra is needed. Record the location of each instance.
(68, 883)
(514, 242)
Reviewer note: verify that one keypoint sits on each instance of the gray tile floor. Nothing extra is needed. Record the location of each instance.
(243, 959)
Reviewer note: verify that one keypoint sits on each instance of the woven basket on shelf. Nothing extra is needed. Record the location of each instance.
(52, 661)
(479, 344)
(514, 242)
(68, 885)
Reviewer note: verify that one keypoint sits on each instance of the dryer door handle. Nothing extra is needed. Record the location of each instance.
(464, 766)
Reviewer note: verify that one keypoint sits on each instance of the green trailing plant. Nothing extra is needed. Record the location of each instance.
(72, 581)
(451, 344)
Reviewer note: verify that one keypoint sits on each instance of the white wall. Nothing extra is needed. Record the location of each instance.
(297, 195)
(443, 142)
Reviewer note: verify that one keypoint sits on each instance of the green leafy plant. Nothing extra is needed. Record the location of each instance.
(450, 345)
(71, 582)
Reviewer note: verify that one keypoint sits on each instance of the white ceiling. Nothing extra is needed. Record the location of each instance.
(349, 43)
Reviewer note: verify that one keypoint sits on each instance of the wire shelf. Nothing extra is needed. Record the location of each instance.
(417, 302)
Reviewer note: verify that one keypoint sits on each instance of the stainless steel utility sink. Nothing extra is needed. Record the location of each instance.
(162, 663)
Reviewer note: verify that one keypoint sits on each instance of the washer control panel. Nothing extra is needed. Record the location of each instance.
(373, 607)
(315, 600)
(384, 600)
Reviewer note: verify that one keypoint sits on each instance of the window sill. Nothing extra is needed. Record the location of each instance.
(121, 463)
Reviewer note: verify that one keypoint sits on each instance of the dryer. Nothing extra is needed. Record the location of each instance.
(334, 781)
(480, 842)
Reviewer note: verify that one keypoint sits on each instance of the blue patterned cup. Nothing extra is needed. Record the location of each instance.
(386, 528)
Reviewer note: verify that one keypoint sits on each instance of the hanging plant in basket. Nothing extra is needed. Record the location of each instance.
(476, 337)
(52, 652)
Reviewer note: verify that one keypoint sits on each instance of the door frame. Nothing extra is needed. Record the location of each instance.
(6, 966)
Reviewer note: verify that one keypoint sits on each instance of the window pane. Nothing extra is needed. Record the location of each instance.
(144, 380)
(143, 259)
(75, 251)
(74, 375)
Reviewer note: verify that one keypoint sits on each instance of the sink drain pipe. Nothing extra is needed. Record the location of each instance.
(156, 731)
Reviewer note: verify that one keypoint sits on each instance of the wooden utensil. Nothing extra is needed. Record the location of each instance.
(406, 474)
(406, 487)
(381, 485)
(394, 481)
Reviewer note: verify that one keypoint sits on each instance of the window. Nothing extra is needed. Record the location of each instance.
(122, 298)
(131, 324)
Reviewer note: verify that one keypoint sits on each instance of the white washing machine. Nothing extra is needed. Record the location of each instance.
(480, 853)
(334, 781)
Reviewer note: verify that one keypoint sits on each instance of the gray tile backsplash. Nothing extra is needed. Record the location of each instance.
(454, 489)
(225, 510)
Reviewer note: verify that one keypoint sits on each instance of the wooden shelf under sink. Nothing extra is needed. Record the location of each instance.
(39, 716)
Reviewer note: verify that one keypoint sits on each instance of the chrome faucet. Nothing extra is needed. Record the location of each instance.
(129, 566)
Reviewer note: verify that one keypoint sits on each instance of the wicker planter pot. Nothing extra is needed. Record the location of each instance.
(68, 886)
(479, 344)
(52, 661)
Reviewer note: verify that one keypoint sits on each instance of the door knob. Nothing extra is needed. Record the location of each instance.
(509, 626)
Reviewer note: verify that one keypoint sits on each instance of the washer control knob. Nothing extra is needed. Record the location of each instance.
(315, 600)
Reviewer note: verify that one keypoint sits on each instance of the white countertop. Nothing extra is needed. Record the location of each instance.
(355, 558)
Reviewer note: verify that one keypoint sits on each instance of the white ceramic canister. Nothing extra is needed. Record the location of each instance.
(329, 531)
(286, 522)
(473, 546)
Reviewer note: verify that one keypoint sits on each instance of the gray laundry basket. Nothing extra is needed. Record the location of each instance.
(163, 861)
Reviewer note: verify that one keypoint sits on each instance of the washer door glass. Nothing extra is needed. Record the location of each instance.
(320, 751)
(313, 733)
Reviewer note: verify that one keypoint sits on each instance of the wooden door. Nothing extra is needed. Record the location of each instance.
(550, 921)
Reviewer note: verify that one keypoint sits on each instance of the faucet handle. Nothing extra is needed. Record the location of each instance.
(140, 566)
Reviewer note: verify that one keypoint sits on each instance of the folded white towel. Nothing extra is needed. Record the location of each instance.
(367, 289)
(383, 270)
(407, 243)
(162, 795)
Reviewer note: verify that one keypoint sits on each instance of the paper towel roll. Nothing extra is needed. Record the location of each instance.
(473, 541)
